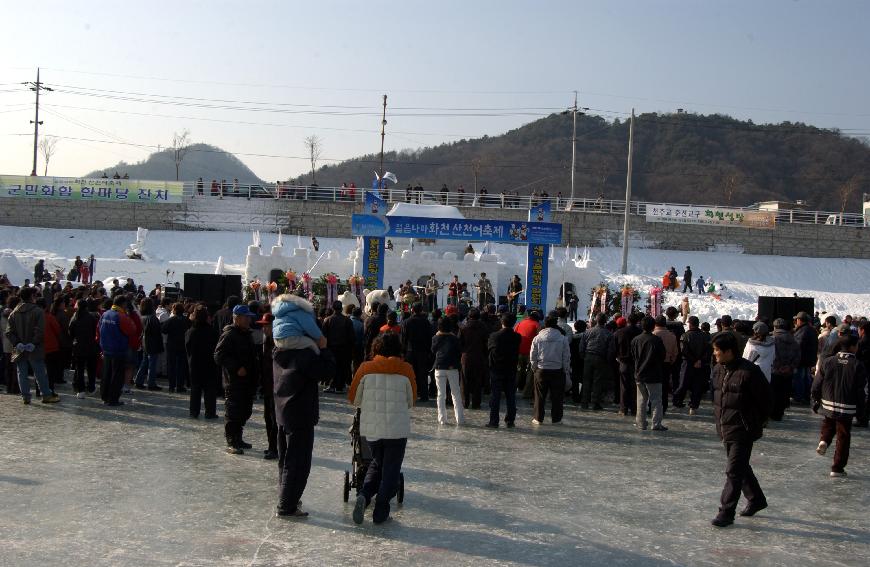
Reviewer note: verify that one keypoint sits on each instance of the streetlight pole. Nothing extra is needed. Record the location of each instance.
(383, 132)
(627, 196)
(573, 148)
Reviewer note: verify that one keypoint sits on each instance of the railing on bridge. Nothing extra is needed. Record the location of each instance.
(493, 200)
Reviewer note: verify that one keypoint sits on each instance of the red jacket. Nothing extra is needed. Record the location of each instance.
(136, 337)
(51, 337)
(527, 328)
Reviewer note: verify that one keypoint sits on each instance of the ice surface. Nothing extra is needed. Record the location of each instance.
(145, 485)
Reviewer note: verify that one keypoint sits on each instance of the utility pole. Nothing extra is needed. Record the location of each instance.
(37, 86)
(383, 131)
(573, 150)
(627, 196)
(574, 110)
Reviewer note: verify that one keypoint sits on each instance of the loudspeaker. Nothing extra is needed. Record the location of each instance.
(767, 308)
(212, 289)
(771, 308)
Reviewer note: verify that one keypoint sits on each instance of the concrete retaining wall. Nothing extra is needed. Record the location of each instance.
(328, 219)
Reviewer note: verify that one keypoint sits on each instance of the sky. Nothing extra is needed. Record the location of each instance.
(256, 78)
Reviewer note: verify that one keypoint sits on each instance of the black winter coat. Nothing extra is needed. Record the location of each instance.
(152, 336)
(416, 335)
(175, 329)
(623, 338)
(200, 343)
(296, 374)
(839, 387)
(741, 401)
(236, 350)
(338, 331)
(648, 352)
(371, 330)
(83, 330)
(473, 340)
(504, 350)
(808, 340)
(694, 347)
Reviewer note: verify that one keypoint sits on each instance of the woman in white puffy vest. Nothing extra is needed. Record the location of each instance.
(761, 349)
(385, 389)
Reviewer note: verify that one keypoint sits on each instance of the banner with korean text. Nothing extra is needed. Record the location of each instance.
(80, 189)
(717, 216)
(517, 232)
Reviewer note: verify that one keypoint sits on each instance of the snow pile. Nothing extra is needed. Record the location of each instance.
(13, 269)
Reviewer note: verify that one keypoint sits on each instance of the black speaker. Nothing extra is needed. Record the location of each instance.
(767, 308)
(232, 286)
(212, 289)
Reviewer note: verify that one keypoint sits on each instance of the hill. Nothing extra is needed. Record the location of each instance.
(203, 160)
(682, 158)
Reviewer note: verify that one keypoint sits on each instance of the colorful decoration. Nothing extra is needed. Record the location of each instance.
(655, 301)
(331, 288)
(307, 291)
(355, 284)
(627, 301)
(291, 280)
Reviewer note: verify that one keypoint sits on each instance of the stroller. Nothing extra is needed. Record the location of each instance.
(362, 456)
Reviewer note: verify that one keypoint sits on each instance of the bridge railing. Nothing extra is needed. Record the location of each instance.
(286, 191)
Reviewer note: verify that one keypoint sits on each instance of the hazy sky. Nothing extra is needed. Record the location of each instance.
(258, 77)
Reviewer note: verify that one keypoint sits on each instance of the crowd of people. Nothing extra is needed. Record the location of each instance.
(122, 338)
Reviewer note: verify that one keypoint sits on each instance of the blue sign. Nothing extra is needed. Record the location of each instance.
(518, 232)
(374, 204)
(536, 276)
(373, 262)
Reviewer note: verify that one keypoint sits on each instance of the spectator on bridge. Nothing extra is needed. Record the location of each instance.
(199, 186)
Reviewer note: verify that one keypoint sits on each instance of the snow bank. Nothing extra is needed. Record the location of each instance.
(13, 269)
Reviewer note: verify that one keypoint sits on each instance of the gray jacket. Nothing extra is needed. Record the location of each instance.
(27, 325)
(551, 351)
(598, 341)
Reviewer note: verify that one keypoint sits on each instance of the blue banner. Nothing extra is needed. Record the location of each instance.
(374, 204)
(457, 229)
(536, 276)
(542, 212)
(373, 262)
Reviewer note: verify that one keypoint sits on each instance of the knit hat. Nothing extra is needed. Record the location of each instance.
(760, 328)
(620, 322)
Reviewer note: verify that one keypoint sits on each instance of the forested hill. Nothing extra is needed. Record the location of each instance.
(685, 158)
(202, 160)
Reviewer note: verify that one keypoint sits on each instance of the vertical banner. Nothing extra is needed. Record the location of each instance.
(374, 205)
(373, 262)
(537, 262)
(536, 276)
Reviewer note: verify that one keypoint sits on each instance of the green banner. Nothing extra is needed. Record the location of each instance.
(103, 190)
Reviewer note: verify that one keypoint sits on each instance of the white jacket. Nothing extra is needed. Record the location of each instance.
(384, 389)
(761, 354)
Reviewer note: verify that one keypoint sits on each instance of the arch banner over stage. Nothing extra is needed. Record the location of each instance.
(516, 232)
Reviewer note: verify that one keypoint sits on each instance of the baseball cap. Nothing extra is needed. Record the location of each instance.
(780, 323)
(242, 310)
(803, 316)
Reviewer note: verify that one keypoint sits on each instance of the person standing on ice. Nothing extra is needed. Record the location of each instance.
(700, 284)
(741, 405)
(447, 352)
(808, 341)
(687, 279)
(235, 354)
(760, 349)
(838, 390)
(550, 358)
(648, 353)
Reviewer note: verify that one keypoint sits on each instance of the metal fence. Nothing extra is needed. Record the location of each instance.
(483, 200)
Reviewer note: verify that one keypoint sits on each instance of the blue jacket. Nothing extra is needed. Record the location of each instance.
(113, 339)
(294, 317)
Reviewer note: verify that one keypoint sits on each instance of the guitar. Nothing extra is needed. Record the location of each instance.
(513, 294)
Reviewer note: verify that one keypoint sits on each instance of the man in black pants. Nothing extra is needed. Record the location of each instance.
(340, 336)
(695, 350)
(417, 348)
(504, 349)
(627, 385)
(741, 405)
(297, 410)
(236, 355)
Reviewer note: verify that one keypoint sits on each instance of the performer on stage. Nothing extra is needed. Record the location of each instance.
(485, 294)
(432, 287)
(453, 291)
(515, 288)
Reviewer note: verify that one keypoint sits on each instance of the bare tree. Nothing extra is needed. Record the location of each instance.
(845, 192)
(46, 148)
(476, 167)
(180, 147)
(729, 187)
(314, 145)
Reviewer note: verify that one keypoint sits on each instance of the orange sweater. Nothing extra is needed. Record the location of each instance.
(382, 365)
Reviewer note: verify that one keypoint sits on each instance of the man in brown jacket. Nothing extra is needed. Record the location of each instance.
(25, 330)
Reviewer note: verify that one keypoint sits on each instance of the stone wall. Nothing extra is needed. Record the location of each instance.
(328, 219)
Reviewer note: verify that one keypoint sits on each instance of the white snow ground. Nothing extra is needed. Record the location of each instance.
(838, 285)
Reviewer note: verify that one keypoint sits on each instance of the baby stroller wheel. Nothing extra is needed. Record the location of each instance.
(346, 493)
(400, 497)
